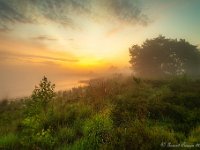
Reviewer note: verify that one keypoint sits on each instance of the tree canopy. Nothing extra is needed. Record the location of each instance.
(162, 57)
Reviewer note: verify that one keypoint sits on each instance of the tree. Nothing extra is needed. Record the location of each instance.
(36, 131)
(43, 94)
(162, 57)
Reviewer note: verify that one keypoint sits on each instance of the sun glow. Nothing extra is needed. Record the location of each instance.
(90, 63)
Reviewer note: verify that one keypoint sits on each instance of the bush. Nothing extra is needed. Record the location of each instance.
(97, 132)
(66, 135)
(140, 136)
(131, 114)
(126, 110)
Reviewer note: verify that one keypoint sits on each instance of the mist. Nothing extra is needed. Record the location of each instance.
(20, 80)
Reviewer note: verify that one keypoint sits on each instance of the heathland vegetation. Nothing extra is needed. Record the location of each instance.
(118, 112)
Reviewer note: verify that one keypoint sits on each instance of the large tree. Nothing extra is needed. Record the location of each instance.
(161, 57)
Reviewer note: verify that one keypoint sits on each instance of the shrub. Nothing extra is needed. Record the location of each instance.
(140, 136)
(126, 110)
(66, 135)
(41, 97)
(97, 132)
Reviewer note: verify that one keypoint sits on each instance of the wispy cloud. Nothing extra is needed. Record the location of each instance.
(11, 13)
(71, 39)
(43, 37)
(51, 58)
(66, 12)
(4, 29)
(8, 55)
(128, 11)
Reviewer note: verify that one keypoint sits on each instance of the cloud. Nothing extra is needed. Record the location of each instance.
(71, 39)
(128, 11)
(66, 12)
(7, 55)
(51, 58)
(44, 38)
(37, 11)
(9, 13)
(4, 29)
(113, 31)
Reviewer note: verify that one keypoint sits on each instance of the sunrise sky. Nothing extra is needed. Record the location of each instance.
(73, 40)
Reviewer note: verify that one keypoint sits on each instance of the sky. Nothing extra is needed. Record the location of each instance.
(74, 40)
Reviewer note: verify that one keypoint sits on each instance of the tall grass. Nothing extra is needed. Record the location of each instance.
(108, 113)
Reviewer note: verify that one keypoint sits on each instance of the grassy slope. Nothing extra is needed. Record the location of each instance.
(116, 113)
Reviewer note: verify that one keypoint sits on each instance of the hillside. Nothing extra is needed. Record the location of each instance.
(109, 113)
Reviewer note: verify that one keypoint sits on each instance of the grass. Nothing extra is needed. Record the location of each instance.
(109, 113)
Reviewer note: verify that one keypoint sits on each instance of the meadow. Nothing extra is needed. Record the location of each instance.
(118, 112)
(126, 73)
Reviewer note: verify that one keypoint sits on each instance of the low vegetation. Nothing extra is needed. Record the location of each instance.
(114, 113)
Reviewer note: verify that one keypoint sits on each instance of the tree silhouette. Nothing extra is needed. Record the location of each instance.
(162, 57)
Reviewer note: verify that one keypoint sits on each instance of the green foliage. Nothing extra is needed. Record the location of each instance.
(97, 133)
(67, 135)
(127, 110)
(34, 132)
(141, 135)
(9, 141)
(10, 115)
(161, 57)
(194, 135)
(116, 113)
(43, 94)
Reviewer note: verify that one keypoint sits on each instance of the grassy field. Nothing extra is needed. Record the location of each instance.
(109, 113)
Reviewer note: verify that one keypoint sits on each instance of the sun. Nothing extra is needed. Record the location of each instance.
(88, 63)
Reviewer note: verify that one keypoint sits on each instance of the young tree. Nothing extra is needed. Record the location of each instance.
(43, 94)
(36, 132)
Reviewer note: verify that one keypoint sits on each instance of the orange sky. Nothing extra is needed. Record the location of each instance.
(71, 40)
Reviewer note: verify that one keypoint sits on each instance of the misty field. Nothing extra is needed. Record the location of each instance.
(109, 113)
(99, 74)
